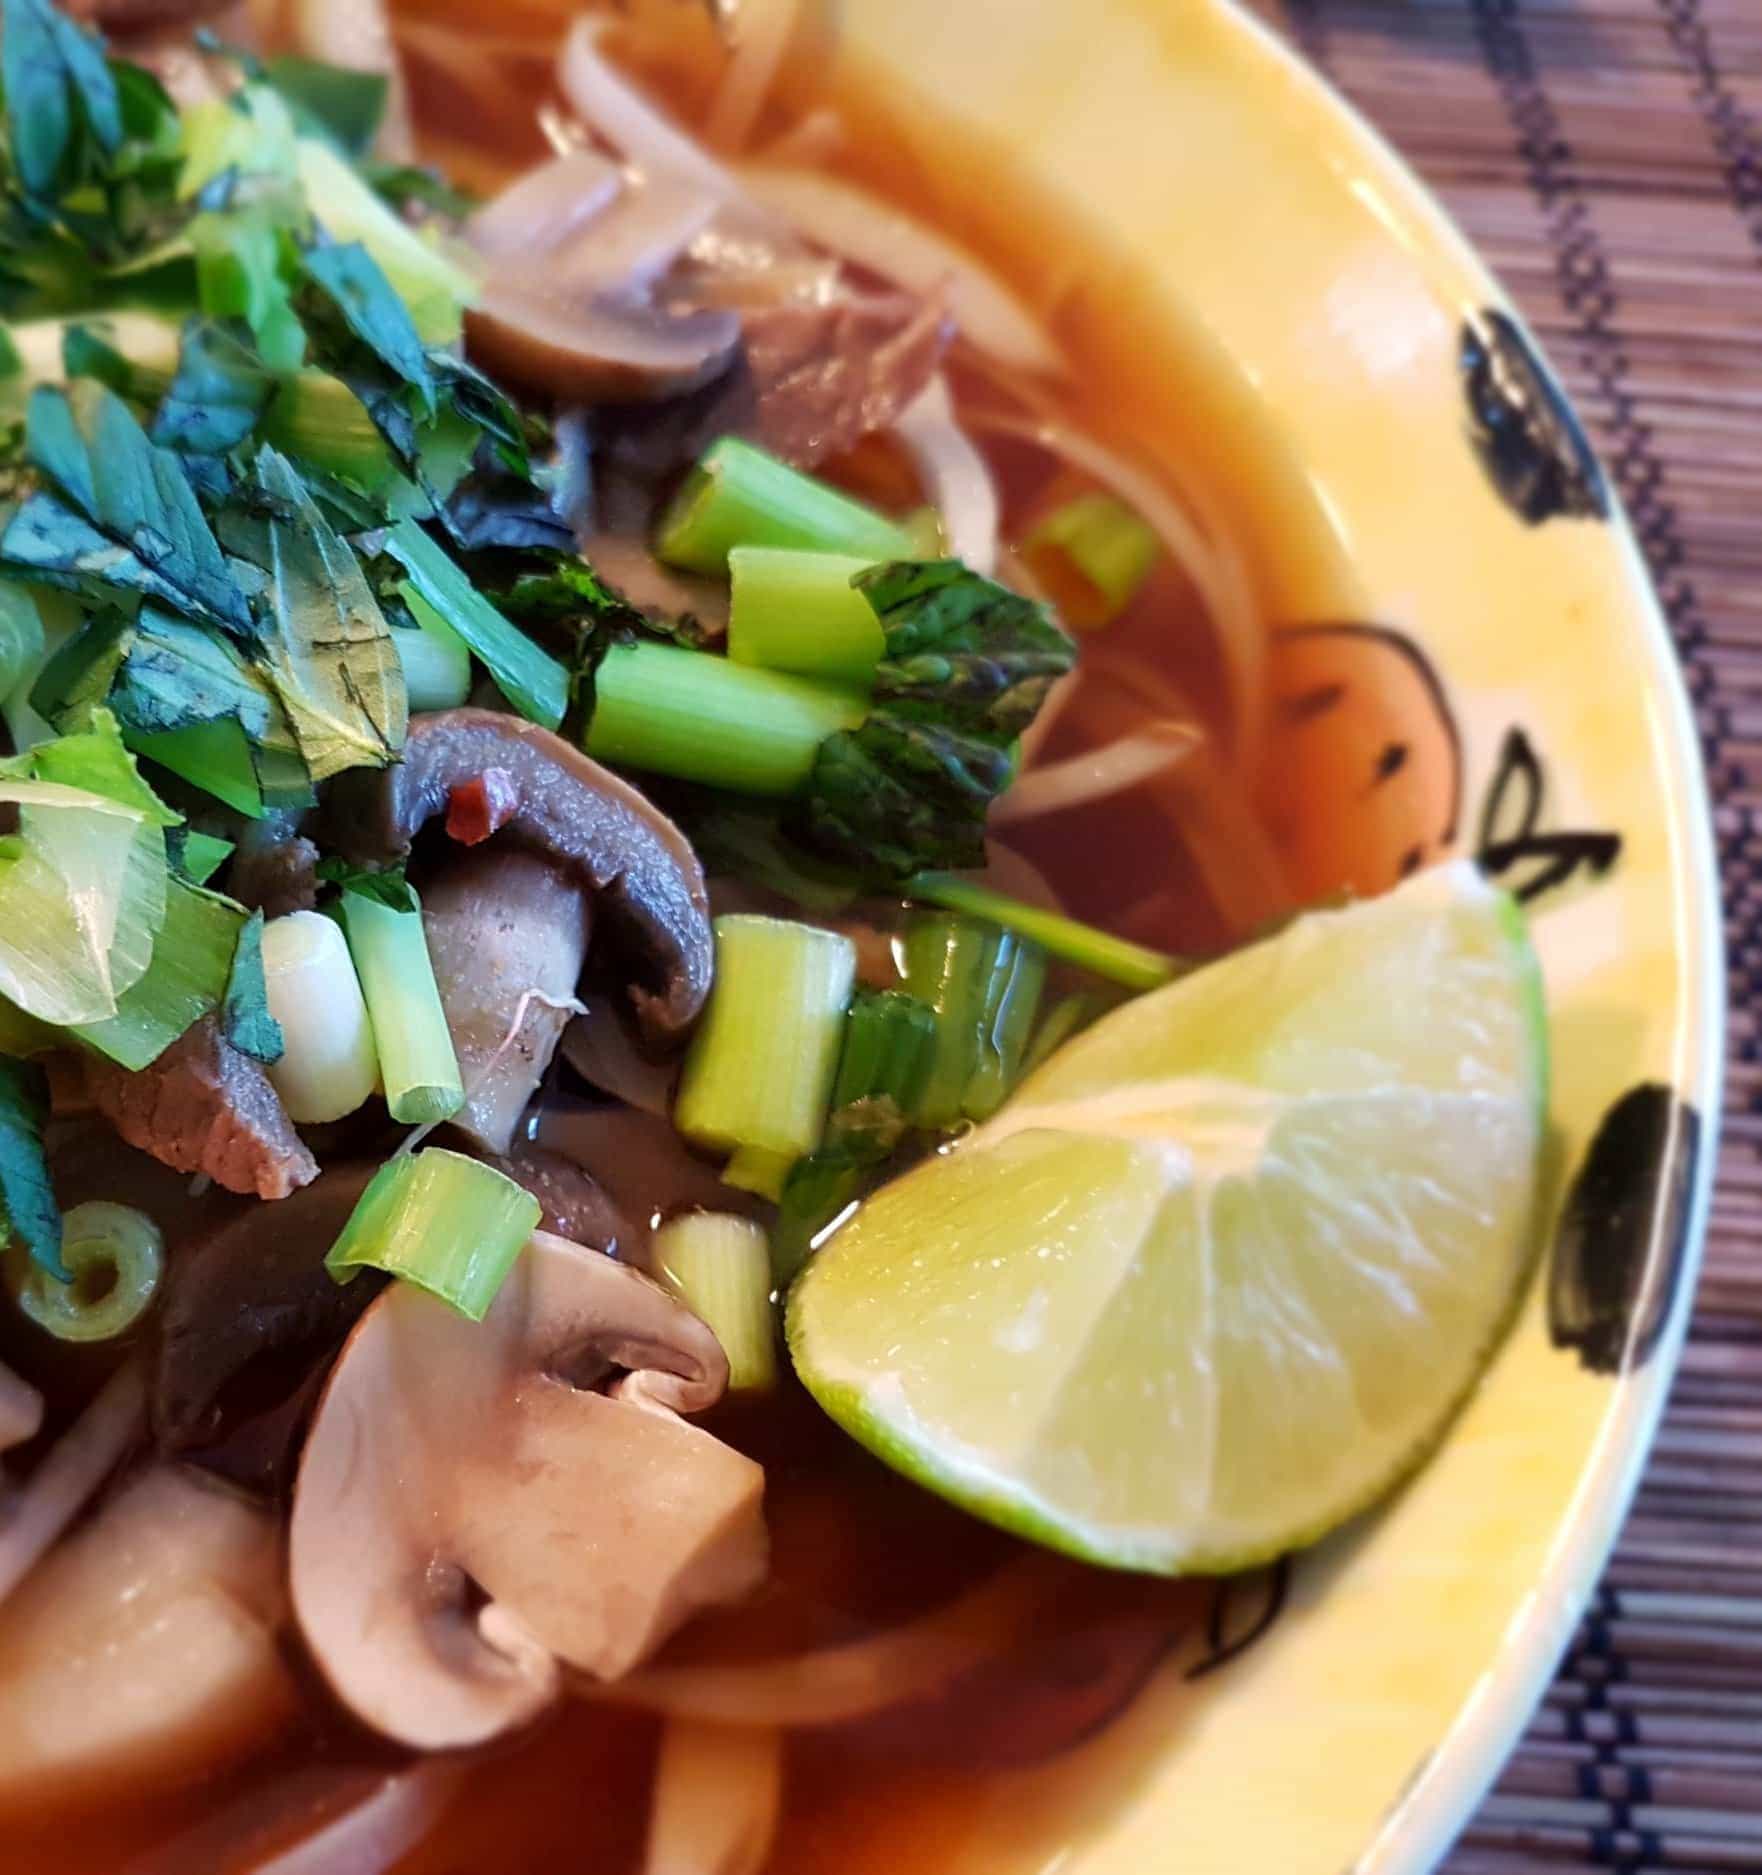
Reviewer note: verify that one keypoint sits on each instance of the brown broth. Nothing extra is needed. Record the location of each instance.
(1006, 1763)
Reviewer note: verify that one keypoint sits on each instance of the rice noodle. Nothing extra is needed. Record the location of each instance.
(1058, 700)
(835, 1684)
(63, 1484)
(615, 110)
(374, 1833)
(818, 136)
(762, 30)
(1212, 565)
(957, 479)
(717, 1801)
(850, 221)
(1126, 762)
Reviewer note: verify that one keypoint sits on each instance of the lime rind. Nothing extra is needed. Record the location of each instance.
(992, 1477)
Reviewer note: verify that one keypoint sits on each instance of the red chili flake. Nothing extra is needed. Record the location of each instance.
(481, 806)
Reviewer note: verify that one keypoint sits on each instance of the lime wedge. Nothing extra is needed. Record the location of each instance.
(1218, 1275)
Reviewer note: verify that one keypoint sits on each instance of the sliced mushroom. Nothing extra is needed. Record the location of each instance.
(595, 350)
(625, 251)
(249, 1316)
(508, 935)
(594, 828)
(471, 1513)
(573, 1203)
(546, 205)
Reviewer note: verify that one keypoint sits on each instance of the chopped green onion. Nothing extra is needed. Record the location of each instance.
(221, 760)
(738, 496)
(799, 612)
(705, 718)
(889, 1043)
(437, 664)
(1093, 554)
(984, 985)
(753, 1169)
(433, 286)
(720, 1268)
(762, 1061)
(329, 1065)
(448, 1224)
(22, 643)
(1063, 1020)
(528, 676)
(1120, 961)
(114, 1255)
(417, 1061)
(192, 961)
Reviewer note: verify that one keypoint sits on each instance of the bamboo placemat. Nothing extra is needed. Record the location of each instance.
(1606, 158)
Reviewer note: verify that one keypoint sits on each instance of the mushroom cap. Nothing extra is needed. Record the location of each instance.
(469, 1512)
(593, 826)
(591, 348)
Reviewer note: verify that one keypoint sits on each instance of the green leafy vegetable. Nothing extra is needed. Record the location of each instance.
(404, 186)
(59, 90)
(389, 888)
(245, 1012)
(197, 856)
(29, 1197)
(967, 666)
(529, 677)
(331, 100)
(328, 654)
(124, 522)
(219, 394)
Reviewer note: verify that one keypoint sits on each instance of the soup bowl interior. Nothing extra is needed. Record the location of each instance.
(1274, 304)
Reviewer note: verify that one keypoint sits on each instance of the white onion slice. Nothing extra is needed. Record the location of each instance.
(718, 1797)
(1213, 565)
(850, 221)
(546, 205)
(834, 1684)
(1123, 763)
(957, 479)
(617, 111)
(386, 1824)
(762, 30)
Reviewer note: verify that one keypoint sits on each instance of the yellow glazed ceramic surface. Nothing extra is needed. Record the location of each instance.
(1412, 471)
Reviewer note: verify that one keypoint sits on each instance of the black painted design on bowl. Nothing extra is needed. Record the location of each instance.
(1606, 1297)
(1241, 1614)
(1512, 847)
(1526, 434)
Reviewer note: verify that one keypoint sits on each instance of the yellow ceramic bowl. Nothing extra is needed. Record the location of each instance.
(1359, 399)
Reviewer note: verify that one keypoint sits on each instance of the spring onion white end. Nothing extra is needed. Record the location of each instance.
(720, 1268)
(329, 1065)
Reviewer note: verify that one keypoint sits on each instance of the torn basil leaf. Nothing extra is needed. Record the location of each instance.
(59, 91)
